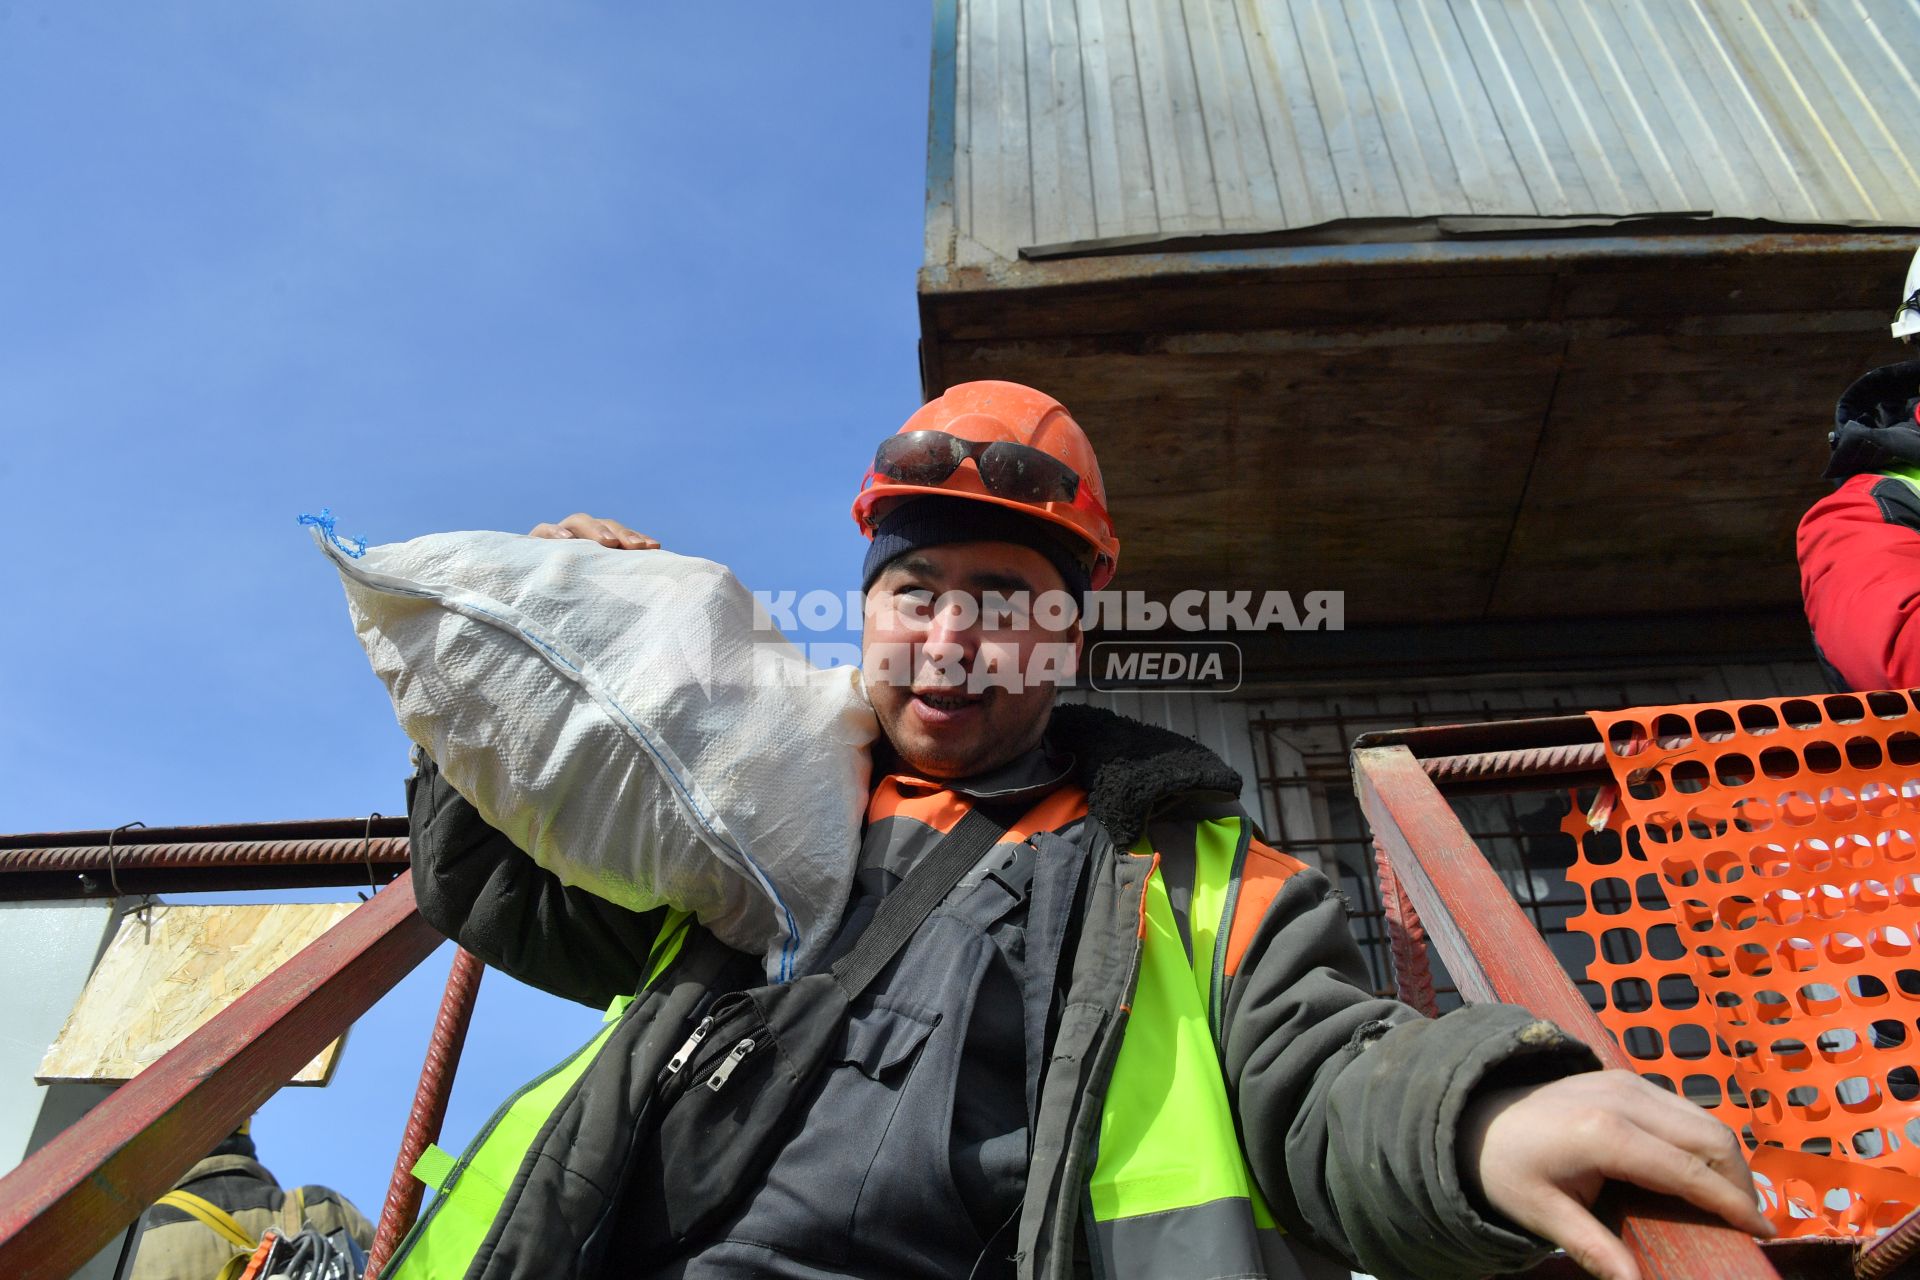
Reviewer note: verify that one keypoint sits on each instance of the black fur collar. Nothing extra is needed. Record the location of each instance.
(1132, 769)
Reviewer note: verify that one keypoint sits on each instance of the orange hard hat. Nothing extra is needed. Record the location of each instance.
(1003, 443)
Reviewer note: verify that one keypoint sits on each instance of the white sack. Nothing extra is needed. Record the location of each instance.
(617, 715)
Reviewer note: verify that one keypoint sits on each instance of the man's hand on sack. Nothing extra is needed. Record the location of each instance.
(1540, 1155)
(608, 533)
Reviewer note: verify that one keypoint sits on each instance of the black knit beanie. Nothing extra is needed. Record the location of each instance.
(938, 521)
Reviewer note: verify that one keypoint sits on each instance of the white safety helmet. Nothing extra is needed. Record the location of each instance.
(1906, 317)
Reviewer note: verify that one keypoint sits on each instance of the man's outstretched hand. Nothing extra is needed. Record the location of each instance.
(1540, 1155)
(608, 533)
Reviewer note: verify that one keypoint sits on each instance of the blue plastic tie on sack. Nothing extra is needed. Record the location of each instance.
(324, 522)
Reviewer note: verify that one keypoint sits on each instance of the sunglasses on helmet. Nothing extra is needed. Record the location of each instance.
(1009, 470)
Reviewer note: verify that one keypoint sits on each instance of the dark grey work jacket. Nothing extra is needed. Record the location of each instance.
(1347, 1103)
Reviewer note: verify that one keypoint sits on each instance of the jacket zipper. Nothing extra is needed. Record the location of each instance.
(722, 1073)
(674, 1078)
(731, 1063)
(655, 1098)
(679, 1059)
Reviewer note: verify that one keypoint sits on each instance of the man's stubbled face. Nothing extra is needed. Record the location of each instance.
(931, 637)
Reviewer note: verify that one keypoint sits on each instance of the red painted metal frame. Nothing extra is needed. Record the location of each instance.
(68, 1200)
(404, 1191)
(1494, 954)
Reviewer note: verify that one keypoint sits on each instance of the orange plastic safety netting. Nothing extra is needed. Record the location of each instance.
(1753, 895)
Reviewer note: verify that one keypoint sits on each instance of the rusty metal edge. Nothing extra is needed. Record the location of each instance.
(1429, 741)
(1459, 898)
(1385, 258)
(216, 833)
(68, 1200)
(99, 871)
(1884, 1256)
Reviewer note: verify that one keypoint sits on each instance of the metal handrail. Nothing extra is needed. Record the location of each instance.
(1494, 954)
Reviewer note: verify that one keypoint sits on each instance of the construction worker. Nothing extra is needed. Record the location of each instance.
(1138, 1039)
(220, 1209)
(1859, 546)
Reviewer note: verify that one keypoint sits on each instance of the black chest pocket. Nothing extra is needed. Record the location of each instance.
(884, 1042)
(814, 1191)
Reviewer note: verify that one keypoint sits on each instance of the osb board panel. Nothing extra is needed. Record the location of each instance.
(1389, 471)
(1738, 554)
(1665, 416)
(1448, 473)
(1673, 471)
(1396, 567)
(160, 980)
(1111, 300)
(1757, 279)
(1327, 422)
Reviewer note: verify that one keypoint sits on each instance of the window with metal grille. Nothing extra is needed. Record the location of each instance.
(1301, 744)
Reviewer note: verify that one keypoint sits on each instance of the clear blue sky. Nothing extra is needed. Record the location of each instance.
(439, 267)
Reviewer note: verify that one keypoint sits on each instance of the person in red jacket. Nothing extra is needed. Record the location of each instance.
(1859, 547)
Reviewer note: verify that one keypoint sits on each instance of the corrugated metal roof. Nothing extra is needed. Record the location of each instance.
(1062, 122)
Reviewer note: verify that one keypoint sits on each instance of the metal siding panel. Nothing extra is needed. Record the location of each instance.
(1893, 30)
(1552, 179)
(1057, 124)
(1001, 160)
(1361, 157)
(1765, 141)
(1805, 143)
(1633, 107)
(1567, 88)
(1123, 202)
(1296, 142)
(1803, 69)
(1082, 119)
(1236, 139)
(946, 152)
(1887, 84)
(1269, 202)
(1839, 62)
(1728, 173)
(1415, 140)
(1176, 134)
(1490, 179)
(962, 124)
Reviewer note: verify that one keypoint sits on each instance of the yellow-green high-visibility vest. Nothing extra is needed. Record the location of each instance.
(1173, 1198)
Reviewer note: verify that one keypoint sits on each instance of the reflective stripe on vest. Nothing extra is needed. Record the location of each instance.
(1172, 1196)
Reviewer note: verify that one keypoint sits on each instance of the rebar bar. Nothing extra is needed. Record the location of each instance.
(1529, 762)
(404, 1191)
(1890, 1253)
(1407, 939)
(98, 871)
